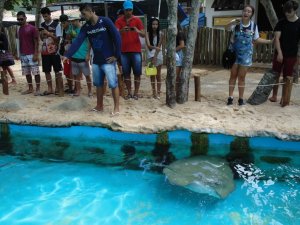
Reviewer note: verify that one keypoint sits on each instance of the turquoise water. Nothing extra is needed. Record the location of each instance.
(81, 175)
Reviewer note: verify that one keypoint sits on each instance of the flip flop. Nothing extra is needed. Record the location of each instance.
(96, 110)
(26, 92)
(37, 93)
(46, 93)
(114, 114)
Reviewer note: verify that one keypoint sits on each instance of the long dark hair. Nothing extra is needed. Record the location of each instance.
(150, 30)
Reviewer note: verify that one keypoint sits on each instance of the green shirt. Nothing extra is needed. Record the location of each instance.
(83, 49)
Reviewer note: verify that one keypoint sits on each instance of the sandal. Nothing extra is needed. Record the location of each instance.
(127, 97)
(135, 97)
(26, 92)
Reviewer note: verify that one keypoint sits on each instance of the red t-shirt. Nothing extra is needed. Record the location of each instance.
(26, 35)
(130, 39)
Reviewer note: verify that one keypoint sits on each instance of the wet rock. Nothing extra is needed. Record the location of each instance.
(202, 174)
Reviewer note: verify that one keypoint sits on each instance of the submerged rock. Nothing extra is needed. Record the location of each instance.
(12, 105)
(202, 174)
(75, 104)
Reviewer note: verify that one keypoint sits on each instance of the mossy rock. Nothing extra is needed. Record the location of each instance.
(162, 138)
(34, 142)
(240, 144)
(275, 159)
(62, 144)
(200, 144)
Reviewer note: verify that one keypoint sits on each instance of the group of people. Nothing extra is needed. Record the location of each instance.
(287, 37)
(67, 47)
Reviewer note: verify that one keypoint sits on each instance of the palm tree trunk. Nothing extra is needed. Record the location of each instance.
(1, 11)
(38, 18)
(171, 49)
(183, 86)
(271, 14)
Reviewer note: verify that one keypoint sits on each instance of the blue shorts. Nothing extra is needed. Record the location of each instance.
(108, 70)
(131, 60)
(179, 58)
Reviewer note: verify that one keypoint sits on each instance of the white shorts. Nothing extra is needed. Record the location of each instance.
(29, 67)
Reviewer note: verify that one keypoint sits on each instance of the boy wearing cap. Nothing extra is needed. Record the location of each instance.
(80, 60)
(106, 44)
(131, 28)
(66, 42)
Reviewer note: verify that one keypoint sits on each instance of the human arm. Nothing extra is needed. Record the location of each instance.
(115, 35)
(278, 46)
(232, 23)
(88, 54)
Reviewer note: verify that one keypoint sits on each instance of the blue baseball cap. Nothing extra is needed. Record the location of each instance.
(128, 5)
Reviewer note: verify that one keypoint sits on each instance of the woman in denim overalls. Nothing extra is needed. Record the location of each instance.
(244, 35)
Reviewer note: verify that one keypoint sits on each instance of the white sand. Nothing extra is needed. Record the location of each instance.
(149, 115)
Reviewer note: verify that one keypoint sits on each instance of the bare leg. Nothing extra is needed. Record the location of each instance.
(158, 79)
(275, 91)
(77, 85)
(232, 79)
(89, 85)
(127, 80)
(241, 80)
(49, 82)
(99, 106)
(37, 79)
(115, 94)
(11, 74)
(152, 80)
(137, 81)
(29, 82)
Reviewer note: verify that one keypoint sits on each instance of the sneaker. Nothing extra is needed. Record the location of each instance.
(229, 101)
(241, 101)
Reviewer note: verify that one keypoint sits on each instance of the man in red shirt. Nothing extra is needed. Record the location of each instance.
(28, 52)
(131, 28)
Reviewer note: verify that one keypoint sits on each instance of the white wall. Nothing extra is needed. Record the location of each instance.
(210, 12)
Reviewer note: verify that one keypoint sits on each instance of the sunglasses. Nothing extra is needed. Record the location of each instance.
(128, 9)
(20, 19)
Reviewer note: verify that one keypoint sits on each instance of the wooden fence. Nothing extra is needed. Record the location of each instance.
(209, 48)
(211, 43)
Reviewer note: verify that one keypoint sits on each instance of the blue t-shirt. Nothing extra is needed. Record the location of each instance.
(104, 39)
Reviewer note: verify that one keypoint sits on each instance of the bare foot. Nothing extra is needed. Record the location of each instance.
(27, 92)
(13, 82)
(273, 99)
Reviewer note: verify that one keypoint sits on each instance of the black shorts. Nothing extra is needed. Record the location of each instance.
(51, 60)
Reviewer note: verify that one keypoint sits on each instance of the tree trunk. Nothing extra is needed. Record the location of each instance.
(183, 87)
(38, 18)
(271, 14)
(171, 49)
(1, 11)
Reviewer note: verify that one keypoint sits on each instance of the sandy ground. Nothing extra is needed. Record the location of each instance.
(148, 115)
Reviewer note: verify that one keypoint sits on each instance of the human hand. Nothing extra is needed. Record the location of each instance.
(64, 59)
(35, 58)
(279, 58)
(111, 59)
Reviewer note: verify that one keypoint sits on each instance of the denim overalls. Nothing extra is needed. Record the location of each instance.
(243, 44)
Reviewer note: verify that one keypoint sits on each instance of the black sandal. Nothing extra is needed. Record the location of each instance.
(127, 97)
